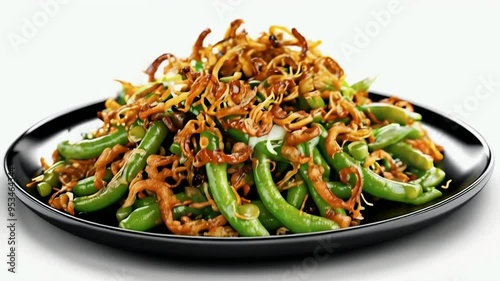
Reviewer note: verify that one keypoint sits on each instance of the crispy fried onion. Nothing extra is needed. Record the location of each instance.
(396, 171)
(187, 141)
(281, 66)
(342, 220)
(301, 42)
(225, 99)
(75, 170)
(339, 131)
(198, 45)
(166, 169)
(291, 121)
(377, 155)
(151, 70)
(123, 115)
(240, 94)
(427, 146)
(63, 199)
(167, 202)
(328, 65)
(239, 154)
(302, 135)
(284, 183)
(285, 89)
(185, 136)
(296, 158)
(257, 124)
(196, 89)
(354, 201)
(398, 102)
(338, 107)
(352, 205)
(241, 177)
(331, 143)
(292, 154)
(107, 157)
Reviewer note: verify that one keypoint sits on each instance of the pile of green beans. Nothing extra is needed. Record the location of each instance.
(271, 208)
(252, 139)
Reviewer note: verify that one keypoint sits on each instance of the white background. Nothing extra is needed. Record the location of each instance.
(433, 53)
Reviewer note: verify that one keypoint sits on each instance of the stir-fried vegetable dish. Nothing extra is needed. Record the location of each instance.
(245, 137)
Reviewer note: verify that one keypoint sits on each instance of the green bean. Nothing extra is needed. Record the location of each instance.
(92, 148)
(295, 196)
(411, 156)
(430, 178)
(281, 168)
(184, 210)
(416, 133)
(52, 178)
(322, 205)
(86, 186)
(390, 134)
(319, 160)
(425, 197)
(118, 186)
(223, 193)
(144, 201)
(143, 218)
(377, 185)
(391, 113)
(49, 180)
(341, 190)
(198, 66)
(123, 212)
(44, 189)
(372, 183)
(120, 98)
(266, 218)
(175, 148)
(358, 150)
(292, 218)
(195, 197)
(237, 135)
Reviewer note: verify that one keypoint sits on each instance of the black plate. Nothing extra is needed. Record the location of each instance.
(468, 161)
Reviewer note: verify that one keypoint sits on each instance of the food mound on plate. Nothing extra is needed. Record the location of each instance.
(245, 137)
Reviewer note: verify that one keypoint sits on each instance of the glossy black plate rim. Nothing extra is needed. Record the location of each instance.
(46, 211)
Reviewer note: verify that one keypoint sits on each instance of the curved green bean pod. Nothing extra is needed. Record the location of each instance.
(223, 193)
(295, 196)
(143, 218)
(118, 186)
(86, 186)
(293, 219)
(92, 148)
